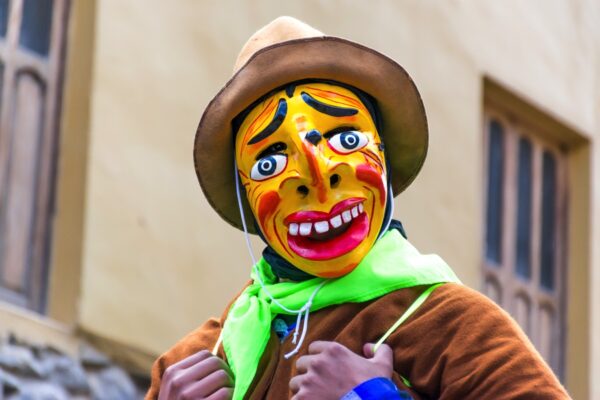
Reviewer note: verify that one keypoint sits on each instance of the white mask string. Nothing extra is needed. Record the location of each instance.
(390, 201)
(304, 312)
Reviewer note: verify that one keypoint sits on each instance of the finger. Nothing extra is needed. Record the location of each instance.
(384, 355)
(191, 360)
(320, 346)
(368, 350)
(303, 363)
(295, 383)
(197, 372)
(174, 376)
(209, 385)
(205, 368)
(225, 393)
(225, 366)
(302, 395)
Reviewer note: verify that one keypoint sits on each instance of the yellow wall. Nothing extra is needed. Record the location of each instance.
(158, 260)
(67, 249)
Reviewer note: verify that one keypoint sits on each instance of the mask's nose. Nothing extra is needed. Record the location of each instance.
(319, 180)
(313, 162)
(334, 182)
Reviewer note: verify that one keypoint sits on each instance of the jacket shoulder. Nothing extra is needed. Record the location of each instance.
(460, 344)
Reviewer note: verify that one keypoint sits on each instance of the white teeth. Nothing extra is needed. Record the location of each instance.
(336, 221)
(321, 226)
(346, 216)
(305, 228)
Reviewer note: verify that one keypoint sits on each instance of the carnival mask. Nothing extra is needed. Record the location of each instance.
(312, 164)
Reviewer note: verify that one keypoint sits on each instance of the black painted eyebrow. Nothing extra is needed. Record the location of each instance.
(334, 111)
(274, 124)
(345, 128)
(275, 148)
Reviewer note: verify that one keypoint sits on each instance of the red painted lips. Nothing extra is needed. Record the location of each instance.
(317, 235)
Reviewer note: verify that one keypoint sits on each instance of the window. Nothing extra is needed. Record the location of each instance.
(524, 269)
(32, 35)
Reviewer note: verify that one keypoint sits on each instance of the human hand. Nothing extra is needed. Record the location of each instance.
(330, 370)
(200, 376)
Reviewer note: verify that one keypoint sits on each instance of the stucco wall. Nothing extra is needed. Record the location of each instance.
(158, 260)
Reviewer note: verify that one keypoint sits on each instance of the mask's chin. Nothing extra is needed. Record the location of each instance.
(331, 253)
(325, 269)
(298, 269)
(334, 267)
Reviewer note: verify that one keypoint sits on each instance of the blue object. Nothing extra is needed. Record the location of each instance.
(377, 389)
(282, 328)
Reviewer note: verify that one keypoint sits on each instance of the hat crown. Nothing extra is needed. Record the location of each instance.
(281, 29)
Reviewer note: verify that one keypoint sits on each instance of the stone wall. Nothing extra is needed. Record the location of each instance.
(35, 372)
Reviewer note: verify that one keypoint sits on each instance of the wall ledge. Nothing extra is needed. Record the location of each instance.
(36, 328)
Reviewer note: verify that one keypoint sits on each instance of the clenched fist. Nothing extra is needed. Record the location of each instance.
(330, 370)
(200, 376)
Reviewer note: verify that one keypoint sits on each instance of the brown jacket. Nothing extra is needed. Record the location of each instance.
(457, 345)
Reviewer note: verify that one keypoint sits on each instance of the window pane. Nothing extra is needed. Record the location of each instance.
(522, 312)
(18, 221)
(3, 17)
(548, 221)
(548, 340)
(35, 26)
(523, 260)
(494, 193)
(493, 290)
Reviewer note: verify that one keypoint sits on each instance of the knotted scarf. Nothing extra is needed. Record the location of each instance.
(392, 264)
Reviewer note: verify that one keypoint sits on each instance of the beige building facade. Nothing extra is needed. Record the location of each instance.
(138, 258)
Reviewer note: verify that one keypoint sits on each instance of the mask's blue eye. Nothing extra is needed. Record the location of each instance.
(268, 167)
(347, 142)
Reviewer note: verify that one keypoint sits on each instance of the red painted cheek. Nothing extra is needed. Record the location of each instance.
(369, 175)
(267, 205)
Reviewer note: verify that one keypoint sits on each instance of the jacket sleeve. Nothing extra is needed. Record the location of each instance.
(203, 338)
(461, 345)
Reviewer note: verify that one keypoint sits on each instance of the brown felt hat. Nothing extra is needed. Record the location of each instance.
(288, 50)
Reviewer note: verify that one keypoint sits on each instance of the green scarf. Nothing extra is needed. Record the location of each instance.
(392, 264)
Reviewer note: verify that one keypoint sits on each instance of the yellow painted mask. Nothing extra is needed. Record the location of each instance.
(311, 162)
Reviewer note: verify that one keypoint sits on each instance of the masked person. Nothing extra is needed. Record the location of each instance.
(306, 146)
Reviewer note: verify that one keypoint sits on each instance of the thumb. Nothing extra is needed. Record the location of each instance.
(383, 355)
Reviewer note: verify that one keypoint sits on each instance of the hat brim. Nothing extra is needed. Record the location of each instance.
(404, 124)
